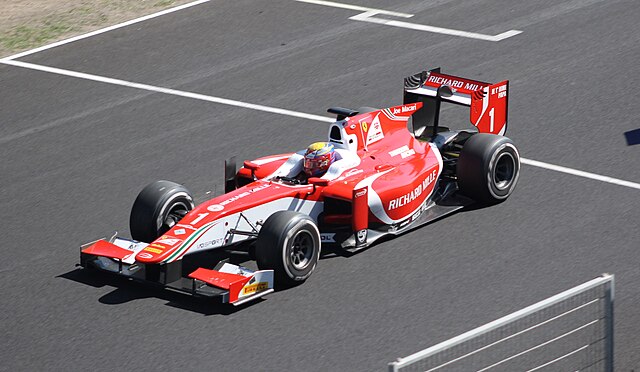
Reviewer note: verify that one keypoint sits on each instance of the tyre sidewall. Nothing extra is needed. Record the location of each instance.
(477, 166)
(297, 226)
(274, 244)
(503, 148)
(152, 207)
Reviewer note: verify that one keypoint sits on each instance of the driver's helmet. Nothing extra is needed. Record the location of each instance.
(318, 158)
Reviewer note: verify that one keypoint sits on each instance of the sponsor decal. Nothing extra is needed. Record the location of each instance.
(441, 80)
(349, 173)
(361, 236)
(453, 83)
(179, 231)
(413, 194)
(360, 193)
(403, 151)
(215, 208)
(169, 241)
(244, 194)
(253, 288)
(353, 172)
(327, 237)
(145, 255)
(403, 109)
(375, 131)
(364, 126)
(416, 215)
(501, 91)
(153, 250)
(404, 223)
(210, 243)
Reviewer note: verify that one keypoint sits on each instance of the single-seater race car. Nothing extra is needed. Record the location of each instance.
(390, 170)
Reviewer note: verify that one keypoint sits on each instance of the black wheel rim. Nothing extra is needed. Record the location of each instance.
(301, 250)
(176, 213)
(504, 171)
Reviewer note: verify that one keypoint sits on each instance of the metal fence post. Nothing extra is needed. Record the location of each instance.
(609, 291)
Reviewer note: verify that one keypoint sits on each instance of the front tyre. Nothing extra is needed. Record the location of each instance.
(488, 168)
(288, 244)
(158, 207)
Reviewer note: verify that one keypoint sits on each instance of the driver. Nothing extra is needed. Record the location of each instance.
(318, 158)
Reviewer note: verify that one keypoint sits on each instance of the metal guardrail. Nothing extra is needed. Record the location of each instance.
(572, 330)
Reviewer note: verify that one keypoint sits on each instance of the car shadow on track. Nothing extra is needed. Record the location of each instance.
(126, 290)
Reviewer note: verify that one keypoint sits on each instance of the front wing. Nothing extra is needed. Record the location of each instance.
(231, 283)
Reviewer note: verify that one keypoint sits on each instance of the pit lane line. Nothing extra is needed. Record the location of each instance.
(257, 107)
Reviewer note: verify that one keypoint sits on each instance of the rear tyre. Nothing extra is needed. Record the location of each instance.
(288, 244)
(488, 168)
(158, 207)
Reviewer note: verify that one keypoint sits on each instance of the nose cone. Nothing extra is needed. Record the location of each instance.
(159, 249)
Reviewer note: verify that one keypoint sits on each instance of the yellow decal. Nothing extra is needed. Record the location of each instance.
(257, 287)
(153, 250)
(364, 126)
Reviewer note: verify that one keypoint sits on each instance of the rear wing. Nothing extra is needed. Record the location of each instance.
(487, 102)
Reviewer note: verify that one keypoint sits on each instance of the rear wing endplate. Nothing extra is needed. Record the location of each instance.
(488, 102)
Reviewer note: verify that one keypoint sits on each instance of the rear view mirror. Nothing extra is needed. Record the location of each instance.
(318, 181)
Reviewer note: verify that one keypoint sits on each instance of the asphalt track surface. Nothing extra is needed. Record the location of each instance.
(75, 153)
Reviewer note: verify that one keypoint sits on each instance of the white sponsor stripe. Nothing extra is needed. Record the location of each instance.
(180, 93)
(273, 110)
(106, 29)
(580, 173)
(355, 7)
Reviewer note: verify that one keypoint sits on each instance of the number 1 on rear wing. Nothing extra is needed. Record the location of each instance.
(489, 108)
(488, 102)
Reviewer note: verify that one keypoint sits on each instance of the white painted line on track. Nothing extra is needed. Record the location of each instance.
(368, 17)
(103, 30)
(355, 7)
(174, 92)
(580, 173)
(273, 110)
(369, 13)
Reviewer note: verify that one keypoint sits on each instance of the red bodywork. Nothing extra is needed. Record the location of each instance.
(395, 176)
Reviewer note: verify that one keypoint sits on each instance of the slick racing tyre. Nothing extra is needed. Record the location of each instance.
(488, 168)
(158, 207)
(288, 244)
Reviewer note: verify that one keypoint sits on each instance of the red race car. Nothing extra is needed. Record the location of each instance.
(372, 177)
